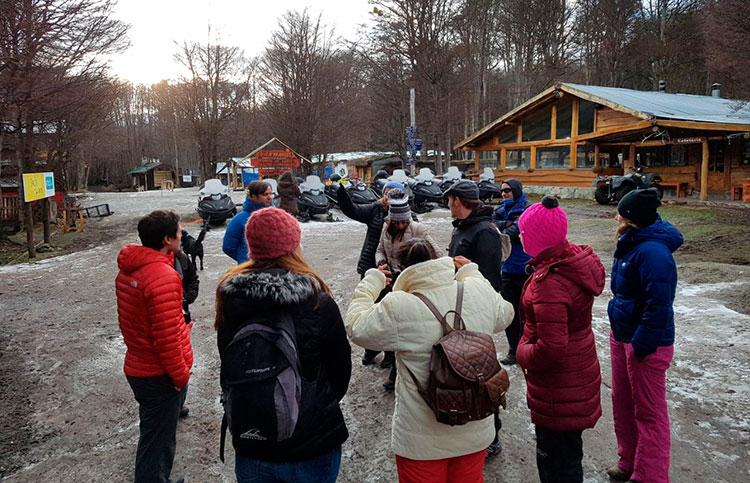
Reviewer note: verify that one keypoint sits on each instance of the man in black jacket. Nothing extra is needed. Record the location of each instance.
(373, 215)
(476, 239)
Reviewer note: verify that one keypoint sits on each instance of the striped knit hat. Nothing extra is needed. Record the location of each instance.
(398, 206)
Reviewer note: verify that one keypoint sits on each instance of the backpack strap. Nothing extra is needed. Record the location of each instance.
(458, 324)
(224, 426)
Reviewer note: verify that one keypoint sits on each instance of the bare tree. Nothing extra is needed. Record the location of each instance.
(47, 48)
(216, 89)
(726, 28)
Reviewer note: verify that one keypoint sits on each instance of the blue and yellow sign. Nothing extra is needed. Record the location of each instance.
(38, 185)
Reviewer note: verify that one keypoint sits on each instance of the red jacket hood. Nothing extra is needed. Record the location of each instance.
(577, 263)
(132, 257)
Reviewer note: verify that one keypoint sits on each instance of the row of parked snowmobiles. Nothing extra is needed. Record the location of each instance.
(424, 190)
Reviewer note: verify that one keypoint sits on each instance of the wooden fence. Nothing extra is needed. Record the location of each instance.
(9, 206)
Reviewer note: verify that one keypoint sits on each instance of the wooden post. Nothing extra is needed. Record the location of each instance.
(502, 158)
(520, 134)
(532, 162)
(704, 172)
(553, 127)
(573, 156)
(631, 158)
(477, 153)
(597, 163)
(574, 120)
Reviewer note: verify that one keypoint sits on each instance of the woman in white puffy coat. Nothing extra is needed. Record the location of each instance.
(425, 449)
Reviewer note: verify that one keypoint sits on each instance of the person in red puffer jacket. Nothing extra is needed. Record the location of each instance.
(557, 351)
(159, 355)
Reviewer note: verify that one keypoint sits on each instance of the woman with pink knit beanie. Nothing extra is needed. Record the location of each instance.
(557, 351)
(277, 304)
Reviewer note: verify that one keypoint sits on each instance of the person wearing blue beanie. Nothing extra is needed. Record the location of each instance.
(392, 185)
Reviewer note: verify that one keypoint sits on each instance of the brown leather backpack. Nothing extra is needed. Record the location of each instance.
(466, 382)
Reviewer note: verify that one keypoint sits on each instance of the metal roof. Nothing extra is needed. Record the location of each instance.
(666, 105)
(647, 105)
(144, 168)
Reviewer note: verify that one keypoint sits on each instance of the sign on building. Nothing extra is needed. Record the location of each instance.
(37, 186)
(274, 162)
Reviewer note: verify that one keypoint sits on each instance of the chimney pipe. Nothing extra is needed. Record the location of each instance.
(662, 85)
(715, 89)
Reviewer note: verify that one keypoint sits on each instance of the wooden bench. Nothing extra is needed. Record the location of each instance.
(736, 193)
(72, 219)
(680, 187)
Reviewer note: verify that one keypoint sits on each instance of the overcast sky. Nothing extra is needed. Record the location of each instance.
(156, 24)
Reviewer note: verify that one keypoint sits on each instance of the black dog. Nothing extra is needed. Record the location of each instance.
(194, 247)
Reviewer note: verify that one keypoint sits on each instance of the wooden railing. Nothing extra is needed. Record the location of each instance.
(9, 207)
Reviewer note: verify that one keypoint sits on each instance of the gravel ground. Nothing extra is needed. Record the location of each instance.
(67, 413)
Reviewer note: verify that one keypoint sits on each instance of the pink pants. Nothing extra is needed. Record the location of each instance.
(639, 404)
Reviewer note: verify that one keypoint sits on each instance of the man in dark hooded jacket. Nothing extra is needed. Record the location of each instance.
(476, 239)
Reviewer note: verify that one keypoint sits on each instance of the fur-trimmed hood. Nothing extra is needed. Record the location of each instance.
(271, 288)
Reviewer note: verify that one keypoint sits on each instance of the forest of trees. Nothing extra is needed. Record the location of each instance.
(469, 61)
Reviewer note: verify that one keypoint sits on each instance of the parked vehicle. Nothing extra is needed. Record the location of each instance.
(488, 190)
(425, 190)
(333, 186)
(312, 200)
(214, 203)
(399, 175)
(611, 189)
(378, 182)
(359, 193)
(451, 177)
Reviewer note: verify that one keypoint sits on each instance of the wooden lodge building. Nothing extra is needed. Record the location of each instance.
(569, 133)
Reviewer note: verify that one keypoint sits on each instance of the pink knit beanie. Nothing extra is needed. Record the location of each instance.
(271, 233)
(543, 225)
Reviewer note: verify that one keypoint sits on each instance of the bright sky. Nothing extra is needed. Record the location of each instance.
(248, 24)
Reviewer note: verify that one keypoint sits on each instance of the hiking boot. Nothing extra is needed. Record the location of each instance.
(618, 474)
(368, 361)
(388, 360)
(509, 360)
(389, 385)
(184, 411)
(494, 449)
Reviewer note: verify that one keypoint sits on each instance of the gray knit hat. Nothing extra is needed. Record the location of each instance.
(398, 206)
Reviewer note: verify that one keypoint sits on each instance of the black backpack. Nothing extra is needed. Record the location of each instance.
(262, 383)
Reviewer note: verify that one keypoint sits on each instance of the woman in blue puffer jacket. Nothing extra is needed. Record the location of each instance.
(644, 280)
(506, 218)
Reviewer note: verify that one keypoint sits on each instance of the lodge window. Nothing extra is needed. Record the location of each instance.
(508, 135)
(585, 156)
(564, 119)
(678, 156)
(652, 157)
(553, 157)
(716, 156)
(517, 159)
(489, 159)
(610, 159)
(586, 111)
(538, 127)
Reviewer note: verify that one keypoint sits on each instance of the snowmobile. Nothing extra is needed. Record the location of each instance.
(611, 189)
(359, 193)
(488, 190)
(312, 200)
(214, 203)
(426, 191)
(333, 186)
(399, 175)
(377, 183)
(450, 178)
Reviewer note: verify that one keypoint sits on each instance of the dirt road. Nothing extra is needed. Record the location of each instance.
(67, 413)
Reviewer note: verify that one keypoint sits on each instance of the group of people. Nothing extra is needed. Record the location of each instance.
(510, 269)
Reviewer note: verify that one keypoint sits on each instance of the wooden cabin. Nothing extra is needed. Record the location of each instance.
(149, 176)
(569, 133)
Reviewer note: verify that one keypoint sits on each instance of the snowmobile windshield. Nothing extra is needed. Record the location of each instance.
(311, 183)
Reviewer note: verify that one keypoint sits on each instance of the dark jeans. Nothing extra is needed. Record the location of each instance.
(559, 455)
(323, 469)
(159, 408)
(511, 292)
